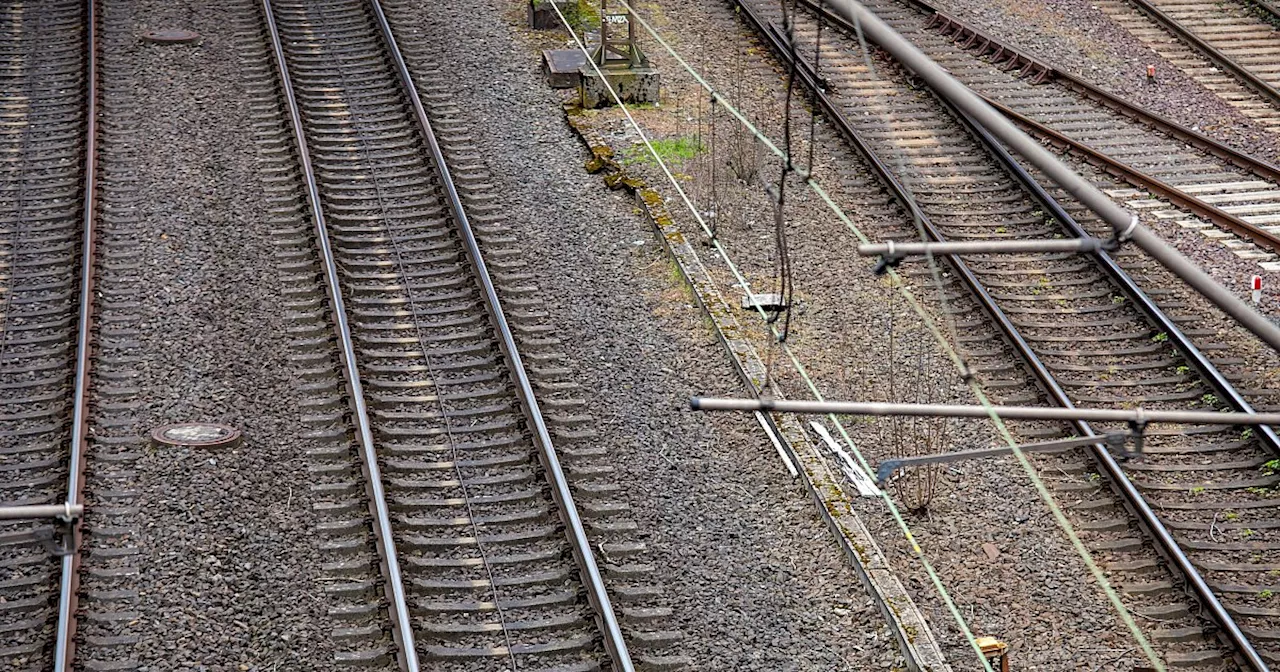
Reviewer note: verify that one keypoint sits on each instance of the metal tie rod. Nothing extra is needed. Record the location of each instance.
(1140, 416)
(894, 249)
(66, 512)
(889, 466)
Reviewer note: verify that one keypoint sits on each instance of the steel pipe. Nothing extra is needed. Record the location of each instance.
(887, 467)
(1123, 222)
(1139, 415)
(895, 249)
(66, 511)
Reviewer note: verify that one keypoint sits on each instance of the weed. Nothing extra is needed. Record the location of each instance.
(668, 149)
(1270, 467)
(583, 15)
(1117, 300)
(1182, 370)
(1247, 433)
(1001, 229)
(1265, 594)
(1246, 532)
(1197, 490)
(1160, 337)
(1231, 515)
(1208, 400)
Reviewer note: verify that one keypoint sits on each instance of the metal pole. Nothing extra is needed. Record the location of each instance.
(1122, 221)
(1140, 415)
(896, 249)
(66, 511)
(891, 465)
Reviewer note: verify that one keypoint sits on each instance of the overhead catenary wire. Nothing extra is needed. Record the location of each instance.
(916, 550)
(1042, 490)
(1125, 224)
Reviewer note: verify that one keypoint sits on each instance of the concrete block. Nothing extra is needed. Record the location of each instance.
(633, 85)
(562, 67)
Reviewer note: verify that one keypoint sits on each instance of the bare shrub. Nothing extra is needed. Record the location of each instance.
(914, 373)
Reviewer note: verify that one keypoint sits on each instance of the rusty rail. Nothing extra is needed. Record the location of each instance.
(64, 643)
(1012, 57)
(1162, 539)
(1241, 73)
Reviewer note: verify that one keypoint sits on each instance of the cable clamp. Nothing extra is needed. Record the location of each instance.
(1128, 233)
(1137, 431)
(890, 259)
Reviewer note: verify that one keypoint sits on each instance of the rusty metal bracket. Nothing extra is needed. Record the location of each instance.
(1114, 442)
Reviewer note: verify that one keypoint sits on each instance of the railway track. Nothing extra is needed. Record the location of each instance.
(1175, 173)
(1228, 47)
(47, 245)
(425, 414)
(1082, 332)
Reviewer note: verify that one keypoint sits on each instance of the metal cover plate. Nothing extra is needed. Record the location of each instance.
(196, 435)
(561, 67)
(171, 36)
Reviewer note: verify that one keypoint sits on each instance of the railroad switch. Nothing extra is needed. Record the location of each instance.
(996, 652)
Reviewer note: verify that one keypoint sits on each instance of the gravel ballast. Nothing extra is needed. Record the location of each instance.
(999, 552)
(753, 576)
(224, 565)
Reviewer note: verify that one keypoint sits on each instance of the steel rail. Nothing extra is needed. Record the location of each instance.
(1241, 73)
(68, 594)
(1268, 7)
(986, 44)
(1107, 464)
(597, 595)
(1139, 416)
(398, 607)
(1203, 365)
(1132, 175)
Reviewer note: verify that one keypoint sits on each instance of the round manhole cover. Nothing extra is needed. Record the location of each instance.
(171, 36)
(196, 435)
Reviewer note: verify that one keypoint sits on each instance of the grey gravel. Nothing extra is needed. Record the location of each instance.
(1036, 594)
(1080, 38)
(754, 577)
(225, 575)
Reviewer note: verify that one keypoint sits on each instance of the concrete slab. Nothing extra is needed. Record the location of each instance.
(633, 86)
(562, 67)
(769, 302)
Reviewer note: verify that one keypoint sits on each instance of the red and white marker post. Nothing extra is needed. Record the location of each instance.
(1257, 289)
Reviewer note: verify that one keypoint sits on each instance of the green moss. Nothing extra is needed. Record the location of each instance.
(668, 149)
(583, 15)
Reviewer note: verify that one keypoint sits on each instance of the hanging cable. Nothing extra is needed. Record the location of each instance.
(817, 77)
(929, 324)
(785, 288)
(715, 198)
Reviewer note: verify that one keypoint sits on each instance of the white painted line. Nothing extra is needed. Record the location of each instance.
(866, 487)
(777, 445)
